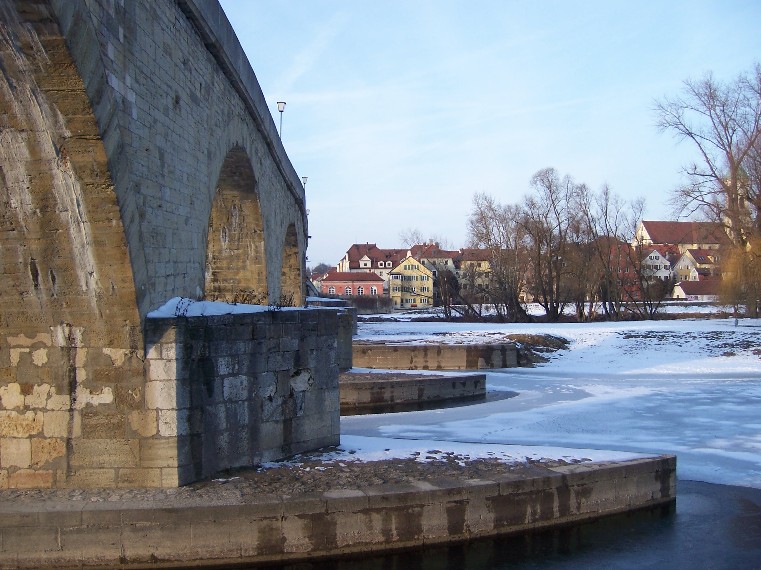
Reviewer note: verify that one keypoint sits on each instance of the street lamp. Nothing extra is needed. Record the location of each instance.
(281, 108)
(304, 180)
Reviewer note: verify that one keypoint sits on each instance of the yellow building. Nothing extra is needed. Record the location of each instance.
(474, 270)
(411, 285)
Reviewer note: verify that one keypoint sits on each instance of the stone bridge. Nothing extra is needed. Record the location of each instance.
(139, 162)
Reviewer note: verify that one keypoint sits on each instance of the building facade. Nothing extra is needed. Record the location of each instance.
(411, 285)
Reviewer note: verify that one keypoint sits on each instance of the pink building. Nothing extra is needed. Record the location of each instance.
(352, 284)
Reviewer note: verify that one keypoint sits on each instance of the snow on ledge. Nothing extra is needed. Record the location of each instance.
(184, 307)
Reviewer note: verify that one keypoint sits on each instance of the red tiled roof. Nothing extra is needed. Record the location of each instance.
(359, 250)
(669, 252)
(667, 232)
(475, 254)
(431, 251)
(358, 276)
(703, 287)
(703, 255)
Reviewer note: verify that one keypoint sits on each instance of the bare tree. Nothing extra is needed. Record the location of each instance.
(448, 291)
(723, 121)
(497, 228)
(548, 220)
(320, 268)
(413, 236)
(410, 237)
(611, 225)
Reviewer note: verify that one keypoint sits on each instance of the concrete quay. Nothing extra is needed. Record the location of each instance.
(228, 529)
(434, 356)
(367, 393)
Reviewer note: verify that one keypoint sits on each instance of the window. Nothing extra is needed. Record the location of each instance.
(331, 290)
(373, 290)
(360, 290)
(347, 291)
(395, 289)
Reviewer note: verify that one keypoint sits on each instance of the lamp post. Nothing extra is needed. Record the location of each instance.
(304, 180)
(281, 108)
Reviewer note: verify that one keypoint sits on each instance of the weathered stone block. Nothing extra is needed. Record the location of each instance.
(46, 450)
(30, 479)
(105, 453)
(62, 424)
(161, 395)
(99, 424)
(20, 424)
(163, 370)
(142, 477)
(236, 388)
(144, 423)
(174, 422)
(15, 452)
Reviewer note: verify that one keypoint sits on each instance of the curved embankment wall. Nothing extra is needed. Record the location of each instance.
(435, 356)
(371, 393)
(269, 528)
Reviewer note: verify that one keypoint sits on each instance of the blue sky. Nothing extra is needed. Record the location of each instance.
(398, 112)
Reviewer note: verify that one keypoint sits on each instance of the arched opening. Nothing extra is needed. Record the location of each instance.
(291, 288)
(235, 255)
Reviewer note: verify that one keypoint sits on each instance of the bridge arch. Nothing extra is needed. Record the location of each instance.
(236, 266)
(123, 187)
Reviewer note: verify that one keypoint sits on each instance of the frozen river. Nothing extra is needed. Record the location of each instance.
(691, 388)
(687, 387)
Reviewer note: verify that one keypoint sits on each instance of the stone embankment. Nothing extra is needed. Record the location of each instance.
(363, 392)
(434, 356)
(184, 527)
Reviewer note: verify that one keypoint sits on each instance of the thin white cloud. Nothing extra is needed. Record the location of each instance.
(309, 55)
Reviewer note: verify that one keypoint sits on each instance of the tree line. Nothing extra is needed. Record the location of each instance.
(563, 245)
(566, 245)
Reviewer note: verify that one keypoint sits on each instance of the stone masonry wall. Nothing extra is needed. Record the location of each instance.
(71, 350)
(173, 94)
(237, 390)
(116, 122)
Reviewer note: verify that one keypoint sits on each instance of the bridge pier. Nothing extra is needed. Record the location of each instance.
(139, 163)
